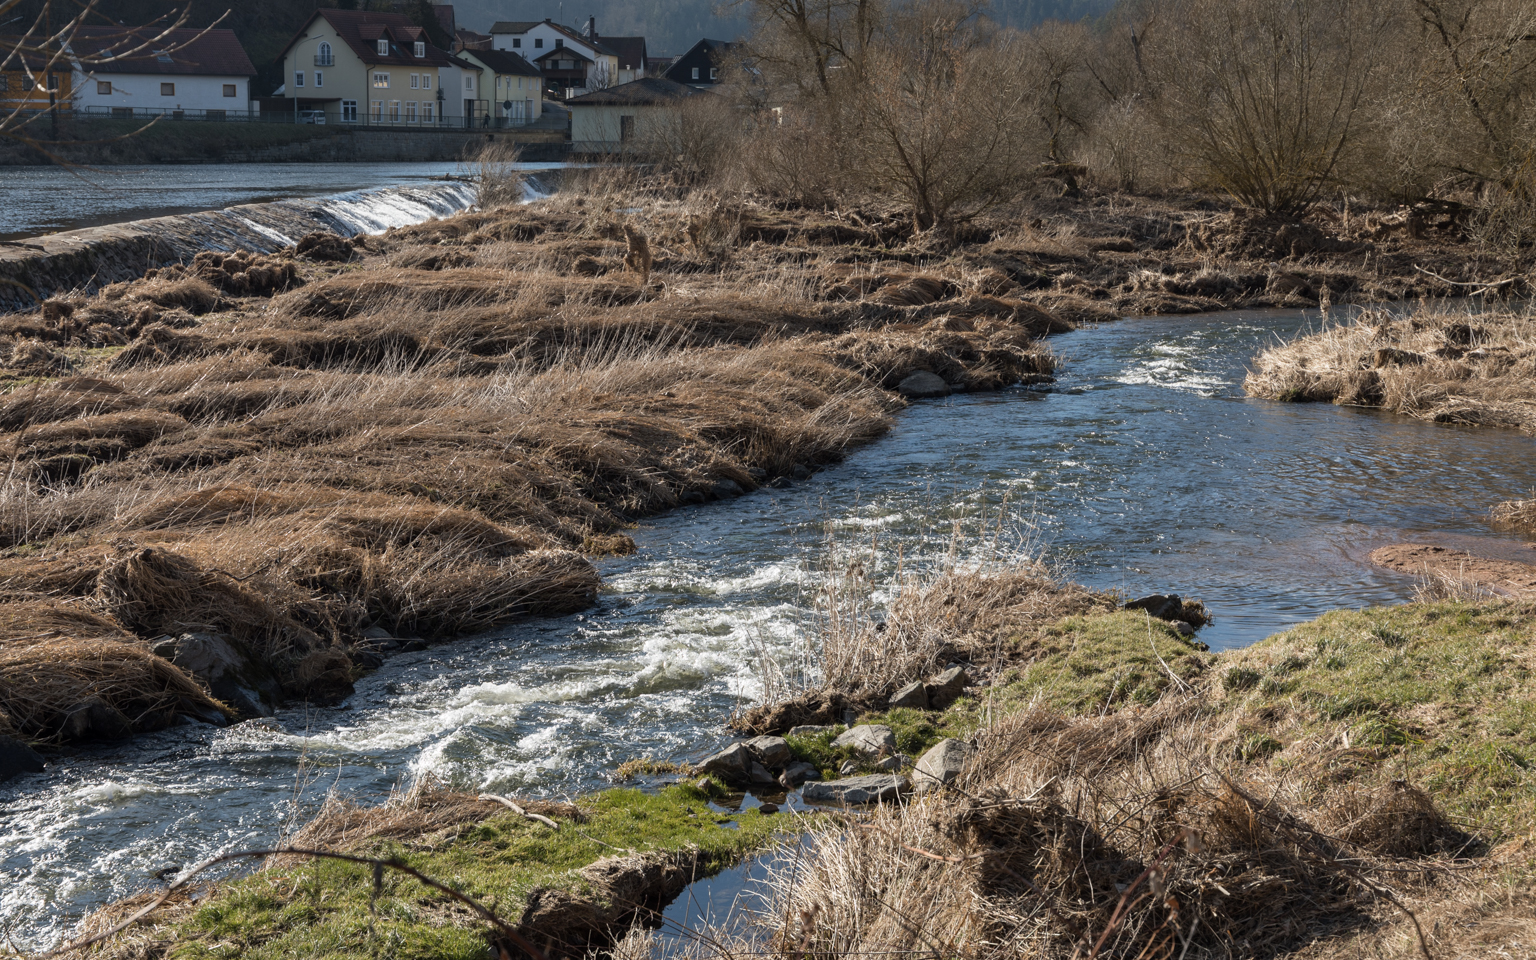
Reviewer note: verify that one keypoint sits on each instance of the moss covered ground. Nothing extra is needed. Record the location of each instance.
(327, 909)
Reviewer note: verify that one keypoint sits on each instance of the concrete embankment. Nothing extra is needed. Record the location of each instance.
(32, 270)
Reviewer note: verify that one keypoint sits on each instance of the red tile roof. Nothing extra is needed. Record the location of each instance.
(189, 51)
(361, 29)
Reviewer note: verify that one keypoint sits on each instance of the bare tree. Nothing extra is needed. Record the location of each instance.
(1265, 96)
(941, 114)
(43, 53)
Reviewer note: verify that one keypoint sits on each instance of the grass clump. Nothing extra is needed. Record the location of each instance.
(529, 874)
(1471, 369)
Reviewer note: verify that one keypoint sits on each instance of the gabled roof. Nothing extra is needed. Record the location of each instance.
(503, 62)
(563, 53)
(513, 26)
(191, 52)
(360, 30)
(629, 50)
(650, 90)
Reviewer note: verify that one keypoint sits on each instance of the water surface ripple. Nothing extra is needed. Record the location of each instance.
(1143, 470)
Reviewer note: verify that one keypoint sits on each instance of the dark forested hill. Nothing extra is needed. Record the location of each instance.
(669, 26)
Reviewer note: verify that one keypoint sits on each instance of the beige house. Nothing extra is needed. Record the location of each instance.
(628, 116)
(356, 66)
(512, 87)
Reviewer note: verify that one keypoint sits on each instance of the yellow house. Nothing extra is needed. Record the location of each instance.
(367, 68)
(512, 87)
(31, 82)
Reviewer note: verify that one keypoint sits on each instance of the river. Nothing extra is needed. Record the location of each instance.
(38, 200)
(1143, 469)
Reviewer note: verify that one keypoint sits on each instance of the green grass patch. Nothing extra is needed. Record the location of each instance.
(322, 908)
(1442, 695)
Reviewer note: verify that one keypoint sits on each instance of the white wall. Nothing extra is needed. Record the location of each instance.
(142, 92)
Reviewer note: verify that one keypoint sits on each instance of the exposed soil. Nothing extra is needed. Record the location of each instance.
(1507, 577)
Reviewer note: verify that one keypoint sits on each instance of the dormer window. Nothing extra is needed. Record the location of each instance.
(421, 48)
(383, 48)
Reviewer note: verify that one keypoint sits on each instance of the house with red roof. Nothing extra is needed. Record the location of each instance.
(148, 71)
(378, 69)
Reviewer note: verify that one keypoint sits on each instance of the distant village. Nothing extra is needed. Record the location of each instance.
(361, 68)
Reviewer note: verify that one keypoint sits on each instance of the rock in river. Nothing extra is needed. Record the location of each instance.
(923, 384)
(16, 758)
(855, 790)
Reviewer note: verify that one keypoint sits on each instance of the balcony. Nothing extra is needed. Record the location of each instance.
(325, 60)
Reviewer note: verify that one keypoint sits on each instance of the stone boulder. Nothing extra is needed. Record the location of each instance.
(941, 764)
(868, 740)
(913, 696)
(921, 385)
(220, 663)
(737, 766)
(947, 687)
(872, 788)
(772, 751)
(807, 730)
(798, 773)
(16, 758)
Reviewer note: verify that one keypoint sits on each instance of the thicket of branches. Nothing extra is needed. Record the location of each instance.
(1276, 103)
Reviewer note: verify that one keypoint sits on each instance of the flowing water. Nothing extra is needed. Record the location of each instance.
(1143, 469)
(37, 200)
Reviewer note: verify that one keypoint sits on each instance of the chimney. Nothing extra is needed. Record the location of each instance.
(591, 28)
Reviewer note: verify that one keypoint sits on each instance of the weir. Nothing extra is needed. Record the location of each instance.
(31, 270)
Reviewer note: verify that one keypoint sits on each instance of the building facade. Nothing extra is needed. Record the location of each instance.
(137, 72)
(512, 87)
(631, 117)
(376, 69)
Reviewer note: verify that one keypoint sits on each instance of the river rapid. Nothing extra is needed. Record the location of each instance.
(1143, 469)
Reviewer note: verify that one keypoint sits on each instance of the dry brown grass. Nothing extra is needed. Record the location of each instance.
(423, 438)
(1475, 369)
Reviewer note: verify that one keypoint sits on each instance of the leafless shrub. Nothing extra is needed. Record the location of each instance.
(498, 181)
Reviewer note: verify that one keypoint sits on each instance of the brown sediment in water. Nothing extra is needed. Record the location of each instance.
(1509, 578)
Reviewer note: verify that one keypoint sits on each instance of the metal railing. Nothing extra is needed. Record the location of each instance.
(362, 119)
(324, 60)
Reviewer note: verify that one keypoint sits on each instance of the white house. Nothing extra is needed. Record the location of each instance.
(634, 116)
(584, 60)
(358, 66)
(128, 71)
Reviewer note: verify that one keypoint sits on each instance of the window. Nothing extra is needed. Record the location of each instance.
(381, 80)
(53, 81)
(538, 43)
(298, 78)
(469, 84)
(349, 111)
(420, 49)
(229, 89)
(426, 111)
(103, 87)
(713, 73)
(376, 107)
(319, 79)
(410, 111)
(383, 48)
(162, 56)
(323, 57)
(394, 111)
(5, 83)
(167, 89)
(559, 44)
(415, 81)
(517, 43)
(426, 81)
(626, 128)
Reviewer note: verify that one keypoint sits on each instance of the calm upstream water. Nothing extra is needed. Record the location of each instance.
(37, 200)
(1143, 470)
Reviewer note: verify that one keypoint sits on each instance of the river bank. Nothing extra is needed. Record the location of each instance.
(613, 255)
(1328, 791)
